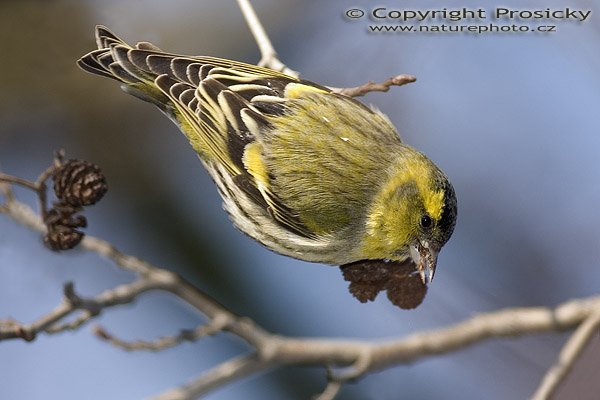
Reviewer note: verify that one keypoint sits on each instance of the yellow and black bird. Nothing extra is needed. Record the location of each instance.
(309, 173)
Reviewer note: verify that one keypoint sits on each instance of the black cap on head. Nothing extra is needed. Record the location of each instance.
(448, 219)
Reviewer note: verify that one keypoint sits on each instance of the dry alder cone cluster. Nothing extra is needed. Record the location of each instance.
(77, 184)
(401, 281)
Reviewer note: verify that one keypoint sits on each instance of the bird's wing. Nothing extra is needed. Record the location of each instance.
(222, 107)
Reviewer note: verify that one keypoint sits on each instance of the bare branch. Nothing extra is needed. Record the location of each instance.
(229, 371)
(24, 215)
(151, 275)
(278, 351)
(567, 357)
(270, 59)
(272, 350)
(126, 262)
(52, 322)
(8, 194)
(186, 335)
(18, 181)
(268, 54)
(39, 186)
(331, 390)
(371, 86)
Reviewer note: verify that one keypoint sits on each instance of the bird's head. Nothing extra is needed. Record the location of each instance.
(412, 216)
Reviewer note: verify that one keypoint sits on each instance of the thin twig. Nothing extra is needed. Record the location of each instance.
(231, 370)
(268, 54)
(359, 367)
(188, 335)
(24, 215)
(567, 357)
(371, 86)
(331, 390)
(18, 181)
(39, 186)
(52, 322)
(8, 194)
(41, 189)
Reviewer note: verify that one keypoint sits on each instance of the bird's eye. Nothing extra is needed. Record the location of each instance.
(426, 221)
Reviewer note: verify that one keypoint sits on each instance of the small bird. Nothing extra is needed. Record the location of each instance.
(309, 173)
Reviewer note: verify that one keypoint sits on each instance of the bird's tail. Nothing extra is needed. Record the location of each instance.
(110, 60)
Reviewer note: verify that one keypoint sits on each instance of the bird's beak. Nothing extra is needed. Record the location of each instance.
(425, 257)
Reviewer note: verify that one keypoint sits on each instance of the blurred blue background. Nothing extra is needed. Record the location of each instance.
(513, 119)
